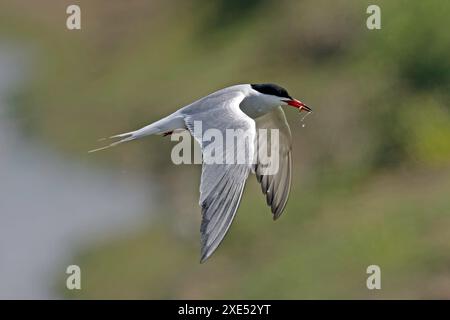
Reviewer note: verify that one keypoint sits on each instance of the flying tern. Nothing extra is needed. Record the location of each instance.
(245, 107)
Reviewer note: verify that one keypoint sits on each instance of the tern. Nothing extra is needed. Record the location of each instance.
(246, 107)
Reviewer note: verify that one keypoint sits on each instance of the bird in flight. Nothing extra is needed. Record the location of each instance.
(245, 107)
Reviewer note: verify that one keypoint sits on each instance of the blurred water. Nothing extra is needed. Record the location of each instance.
(50, 205)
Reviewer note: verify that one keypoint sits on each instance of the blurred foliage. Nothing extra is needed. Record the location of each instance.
(371, 165)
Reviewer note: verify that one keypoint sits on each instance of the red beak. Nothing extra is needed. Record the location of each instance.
(298, 104)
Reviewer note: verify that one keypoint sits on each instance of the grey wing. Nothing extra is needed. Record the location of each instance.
(221, 185)
(276, 184)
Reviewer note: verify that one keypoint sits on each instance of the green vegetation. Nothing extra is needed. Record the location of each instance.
(372, 165)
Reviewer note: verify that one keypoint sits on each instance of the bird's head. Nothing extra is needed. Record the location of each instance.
(279, 96)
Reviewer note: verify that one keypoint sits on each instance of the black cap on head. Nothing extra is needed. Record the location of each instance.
(272, 89)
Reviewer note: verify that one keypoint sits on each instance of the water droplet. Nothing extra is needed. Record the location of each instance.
(303, 118)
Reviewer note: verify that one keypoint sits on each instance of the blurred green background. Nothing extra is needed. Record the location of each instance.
(371, 180)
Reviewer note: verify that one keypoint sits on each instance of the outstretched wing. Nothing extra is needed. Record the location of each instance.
(274, 184)
(221, 184)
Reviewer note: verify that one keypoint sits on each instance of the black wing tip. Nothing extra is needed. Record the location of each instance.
(206, 250)
(277, 215)
(205, 254)
(203, 260)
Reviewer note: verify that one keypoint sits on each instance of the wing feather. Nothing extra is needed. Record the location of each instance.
(221, 184)
(275, 186)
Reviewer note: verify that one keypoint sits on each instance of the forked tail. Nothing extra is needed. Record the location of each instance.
(169, 123)
(129, 136)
